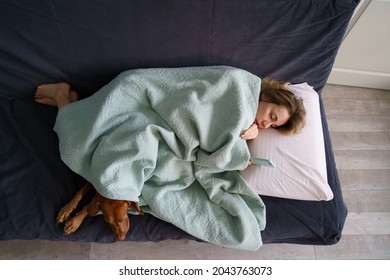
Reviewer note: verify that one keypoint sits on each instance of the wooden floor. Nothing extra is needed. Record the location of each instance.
(359, 122)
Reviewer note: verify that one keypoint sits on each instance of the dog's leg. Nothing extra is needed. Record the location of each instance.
(67, 210)
(135, 206)
(91, 209)
(73, 224)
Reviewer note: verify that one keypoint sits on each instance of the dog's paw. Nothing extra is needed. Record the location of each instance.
(72, 225)
(65, 213)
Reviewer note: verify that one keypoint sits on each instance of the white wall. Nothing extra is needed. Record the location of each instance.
(364, 56)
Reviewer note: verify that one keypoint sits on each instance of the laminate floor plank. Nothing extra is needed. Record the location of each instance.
(358, 123)
(358, 247)
(360, 141)
(351, 106)
(362, 159)
(44, 250)
(367, 223)
(342, 92)
(368, 179)
(367, 201)
(187, 250)
(384, 106)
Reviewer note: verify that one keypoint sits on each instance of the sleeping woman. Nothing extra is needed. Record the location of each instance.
(173, 141)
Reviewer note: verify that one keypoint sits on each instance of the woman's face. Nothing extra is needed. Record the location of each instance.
(271, 115)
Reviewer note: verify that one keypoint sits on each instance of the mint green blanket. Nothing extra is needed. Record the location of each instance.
(170, 139)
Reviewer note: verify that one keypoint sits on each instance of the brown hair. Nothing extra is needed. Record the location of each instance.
(276, 92)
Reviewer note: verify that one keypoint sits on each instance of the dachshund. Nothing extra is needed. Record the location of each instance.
(115, 212)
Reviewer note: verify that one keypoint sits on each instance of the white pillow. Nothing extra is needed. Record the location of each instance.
(300, 171)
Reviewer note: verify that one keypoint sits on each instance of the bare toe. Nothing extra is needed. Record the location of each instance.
(45, 100)
(73, 95)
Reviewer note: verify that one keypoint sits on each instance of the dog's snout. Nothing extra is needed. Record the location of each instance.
(121, 237)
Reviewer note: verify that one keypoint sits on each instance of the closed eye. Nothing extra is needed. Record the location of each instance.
(274, 117)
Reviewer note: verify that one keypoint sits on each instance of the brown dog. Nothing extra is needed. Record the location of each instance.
(115, 212)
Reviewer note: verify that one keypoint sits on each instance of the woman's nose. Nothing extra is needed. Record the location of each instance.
(265, 124)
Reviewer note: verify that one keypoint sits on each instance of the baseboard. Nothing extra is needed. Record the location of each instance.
(358, 78)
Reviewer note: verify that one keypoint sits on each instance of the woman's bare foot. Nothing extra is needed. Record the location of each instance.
(58, 94)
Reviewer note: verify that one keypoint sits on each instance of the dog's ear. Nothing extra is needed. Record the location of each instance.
(136, 207)
(98, 205)
(94, 206)
(97, 200)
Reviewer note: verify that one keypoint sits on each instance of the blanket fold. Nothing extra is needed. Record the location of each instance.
(170, 139)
